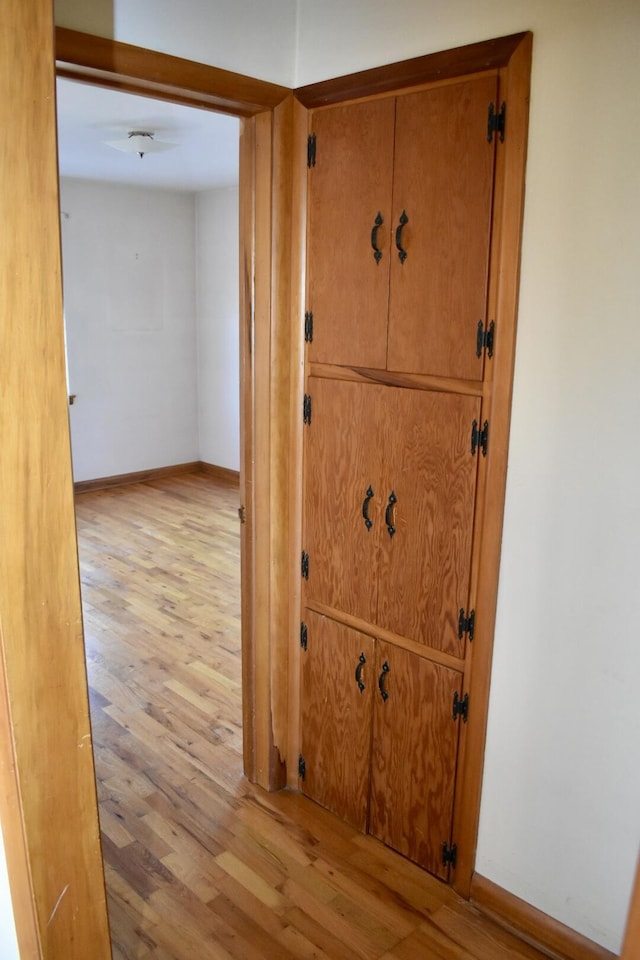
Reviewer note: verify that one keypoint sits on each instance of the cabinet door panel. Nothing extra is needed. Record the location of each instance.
(414, 750)
(349, 186)
(444, 183)
(342, 460)
(424, 568)
(336, 717)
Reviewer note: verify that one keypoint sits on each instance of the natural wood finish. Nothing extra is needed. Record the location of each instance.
(49, 784)
(413, 753)
(336, 717)
(221, 474)
(458, 62)
(139, 476)
(631, 946)
(199, 861)
(535, 927)
(109, 63)
(349, 186)
(503, 305)
(394, 379)
(424, 568)
(374, 630)
(439, 293)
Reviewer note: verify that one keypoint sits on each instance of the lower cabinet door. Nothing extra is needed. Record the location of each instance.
(338, 679)
(414, 751)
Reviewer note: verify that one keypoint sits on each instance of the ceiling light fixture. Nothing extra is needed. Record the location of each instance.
(140, 142)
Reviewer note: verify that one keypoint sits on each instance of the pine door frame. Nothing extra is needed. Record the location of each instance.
(510, 57)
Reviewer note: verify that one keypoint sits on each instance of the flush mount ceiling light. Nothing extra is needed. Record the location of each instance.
(140, 142)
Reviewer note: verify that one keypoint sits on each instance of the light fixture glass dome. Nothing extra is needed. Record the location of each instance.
(140, 142)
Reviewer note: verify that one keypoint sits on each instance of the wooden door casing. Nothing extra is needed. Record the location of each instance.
(413, 756)
(349, 185)
(443, 181)
(336, 717)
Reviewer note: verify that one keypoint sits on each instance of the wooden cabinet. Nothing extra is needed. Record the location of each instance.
(400, 205)
(390, 487)
(379, 735)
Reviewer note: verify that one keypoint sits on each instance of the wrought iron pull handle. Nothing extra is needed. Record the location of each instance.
(377, 252)
(402, 253)
(381, 681)
(388, 515)
(361, 662)
(365, 508)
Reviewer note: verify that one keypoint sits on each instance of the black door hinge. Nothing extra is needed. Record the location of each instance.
(306, 409)
(304, 636)
(449, 854)
(305, 565)
(479, 438)
(308, 327)
(461, 707)
(302, 767)
(496, 121)
(466, 624)
(311, 150)
(485, 338)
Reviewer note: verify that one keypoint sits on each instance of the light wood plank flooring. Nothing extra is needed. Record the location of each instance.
(200, 863)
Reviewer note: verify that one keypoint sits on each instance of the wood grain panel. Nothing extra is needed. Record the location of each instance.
(631, 947)
(336, 718)
(342, 459)
(443, 180)
(414, 757)
(349, 185)
(424, 568)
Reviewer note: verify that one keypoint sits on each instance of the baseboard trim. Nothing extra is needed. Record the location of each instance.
(221, 474)
(532, 925)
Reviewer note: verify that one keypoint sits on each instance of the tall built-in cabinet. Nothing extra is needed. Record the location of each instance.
(404, 212)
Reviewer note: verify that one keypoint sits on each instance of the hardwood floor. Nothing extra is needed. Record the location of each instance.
(199, 862)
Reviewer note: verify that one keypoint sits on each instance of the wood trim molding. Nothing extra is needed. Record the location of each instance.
(533, 926)
(109, 63)
(221, 474)
(631, 948)
(445, 65)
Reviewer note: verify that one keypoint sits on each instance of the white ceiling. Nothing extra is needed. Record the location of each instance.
(88, 115)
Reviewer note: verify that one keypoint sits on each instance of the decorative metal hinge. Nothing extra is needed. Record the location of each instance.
(304, 636)
(496, 121)
(306, 409)
(466, 624)
(479, 438)
(308, 327)
(449, 854)
(485, 339)
(302, 767)
(311, 150)
(461, 707)
(305, 565)
(242, 513)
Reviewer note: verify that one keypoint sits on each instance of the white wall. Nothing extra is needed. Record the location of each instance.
(560, 822)
(130, 311)
(217, 272)
(8, 941)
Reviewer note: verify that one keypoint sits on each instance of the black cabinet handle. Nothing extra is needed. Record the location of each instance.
(365, 508)
(361, 662)
(402, 253)
(381, 681)
(377, 252)
(388, 514)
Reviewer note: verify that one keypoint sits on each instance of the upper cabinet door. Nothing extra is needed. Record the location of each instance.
(343, 497)
(349, 214)
(443, 186)
(425, 547)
